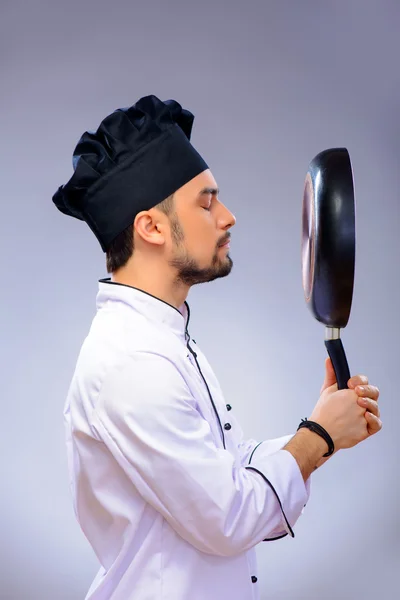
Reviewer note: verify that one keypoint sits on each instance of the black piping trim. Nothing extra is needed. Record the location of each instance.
(188, 319)
(275, 538)
(277, 497)
(109, 281)
(193, 353)
(254, 449)
(188, 316)
(209, 393)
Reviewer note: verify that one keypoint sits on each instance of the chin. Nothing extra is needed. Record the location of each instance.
(190, 273)
(224, 268)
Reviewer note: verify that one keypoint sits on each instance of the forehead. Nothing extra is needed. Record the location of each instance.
(205, 180)
(198, 185)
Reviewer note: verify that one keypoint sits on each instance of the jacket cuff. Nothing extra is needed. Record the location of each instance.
(281, 472)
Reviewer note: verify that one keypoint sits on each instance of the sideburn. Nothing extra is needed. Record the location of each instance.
(176, 230)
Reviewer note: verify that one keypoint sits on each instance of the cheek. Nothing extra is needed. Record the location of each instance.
(205, 239)
(199, 246)
(200, 236)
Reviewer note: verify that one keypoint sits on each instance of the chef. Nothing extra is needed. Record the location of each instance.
(169, 494)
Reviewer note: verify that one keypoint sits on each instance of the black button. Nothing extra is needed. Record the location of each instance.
(254, 579)
(227, 426)
(228, 407)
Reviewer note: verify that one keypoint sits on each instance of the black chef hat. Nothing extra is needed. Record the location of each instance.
(137, 157)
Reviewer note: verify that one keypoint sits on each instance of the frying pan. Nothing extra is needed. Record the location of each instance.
(328, 249)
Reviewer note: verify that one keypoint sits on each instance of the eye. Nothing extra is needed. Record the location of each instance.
(207, 202)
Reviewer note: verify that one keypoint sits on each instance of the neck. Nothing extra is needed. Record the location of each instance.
(153, 279)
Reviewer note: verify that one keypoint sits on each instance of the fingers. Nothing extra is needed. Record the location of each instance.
(374, 424)
(372, 412)
(367, 391)
(370, 405)
(357, 380)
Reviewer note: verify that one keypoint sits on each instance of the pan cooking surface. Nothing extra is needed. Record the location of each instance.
(308, 238)
(328, 237)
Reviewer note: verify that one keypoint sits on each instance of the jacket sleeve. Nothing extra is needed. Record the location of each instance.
(247, 447)
(253, 456)
(147, 417)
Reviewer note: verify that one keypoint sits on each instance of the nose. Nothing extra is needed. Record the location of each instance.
(226, 218)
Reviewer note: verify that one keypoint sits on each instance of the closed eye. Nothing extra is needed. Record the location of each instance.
(207, 194)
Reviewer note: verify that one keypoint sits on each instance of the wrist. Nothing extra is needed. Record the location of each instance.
(308, 449)
(314, 441)
(317, 428)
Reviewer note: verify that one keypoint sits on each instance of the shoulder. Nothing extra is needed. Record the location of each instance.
(126, 359)
(143, 384)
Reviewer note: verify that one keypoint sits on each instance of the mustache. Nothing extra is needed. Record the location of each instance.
(224, 240)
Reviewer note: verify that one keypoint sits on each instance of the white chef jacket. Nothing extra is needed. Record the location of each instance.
(170, 496)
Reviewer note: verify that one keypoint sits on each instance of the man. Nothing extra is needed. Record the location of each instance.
(170, 496)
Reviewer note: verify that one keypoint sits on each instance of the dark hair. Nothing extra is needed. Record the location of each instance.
(121, 248)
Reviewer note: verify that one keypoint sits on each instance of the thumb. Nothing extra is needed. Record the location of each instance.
(330, 376)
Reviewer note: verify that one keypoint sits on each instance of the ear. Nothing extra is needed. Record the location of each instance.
(149, 228)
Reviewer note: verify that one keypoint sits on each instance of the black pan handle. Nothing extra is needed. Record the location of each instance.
(338, 357)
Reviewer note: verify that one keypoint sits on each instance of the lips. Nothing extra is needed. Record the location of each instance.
(225, 242)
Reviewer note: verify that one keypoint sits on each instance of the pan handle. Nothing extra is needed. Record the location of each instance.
(337, 355)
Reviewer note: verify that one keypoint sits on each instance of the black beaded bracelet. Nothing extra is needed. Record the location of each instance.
(316, 428)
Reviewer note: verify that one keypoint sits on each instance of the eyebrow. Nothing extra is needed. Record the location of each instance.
(209, 190)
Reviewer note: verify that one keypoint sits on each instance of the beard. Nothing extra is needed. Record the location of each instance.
(189, 273)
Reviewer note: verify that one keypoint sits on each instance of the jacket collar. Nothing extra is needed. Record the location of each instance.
(146, 304)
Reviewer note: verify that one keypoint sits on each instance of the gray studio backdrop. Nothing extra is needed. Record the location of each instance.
(271, 84)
